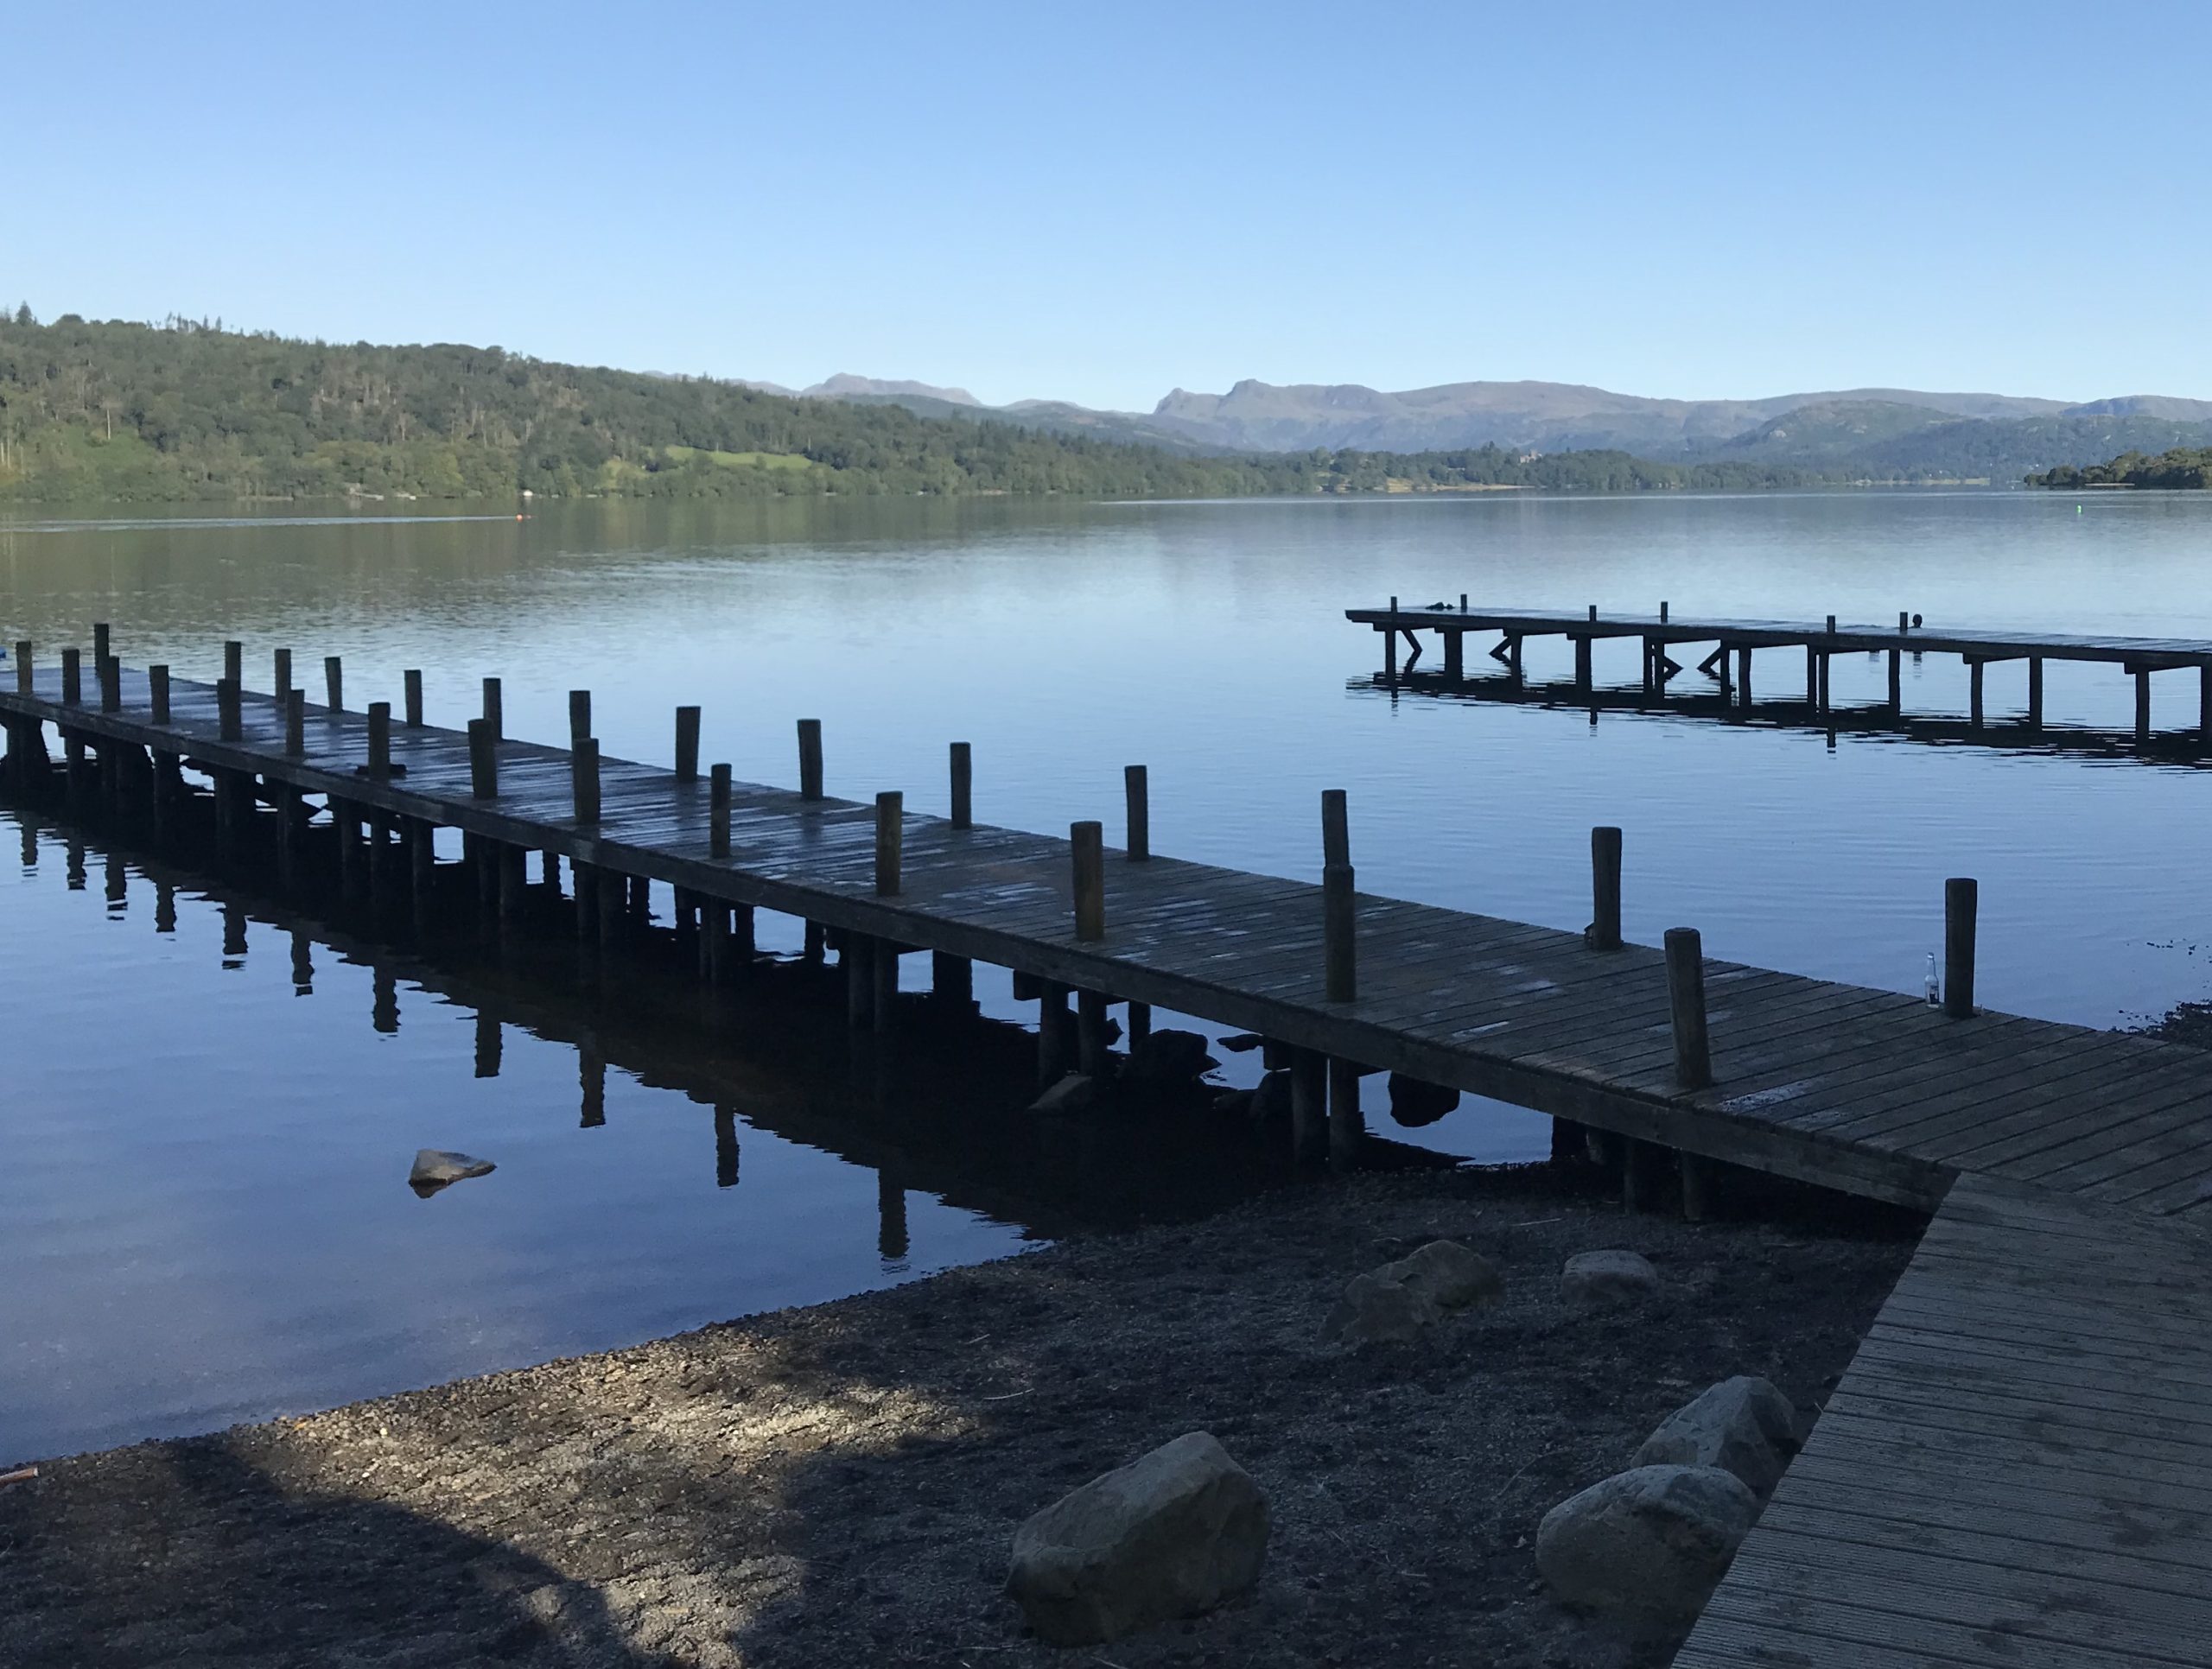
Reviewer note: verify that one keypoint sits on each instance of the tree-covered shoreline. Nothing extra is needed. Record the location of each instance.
(188, 411)
(2183, 468)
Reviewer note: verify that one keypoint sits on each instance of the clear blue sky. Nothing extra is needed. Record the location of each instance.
(1101, 201)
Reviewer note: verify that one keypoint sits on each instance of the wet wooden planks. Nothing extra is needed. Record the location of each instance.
(2015, 1471)
(1856, 1089)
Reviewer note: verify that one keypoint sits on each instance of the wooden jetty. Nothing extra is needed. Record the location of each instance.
(2017, 1470)
(1728, 662)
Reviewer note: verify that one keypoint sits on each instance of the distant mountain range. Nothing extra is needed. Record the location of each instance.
(1877, 433)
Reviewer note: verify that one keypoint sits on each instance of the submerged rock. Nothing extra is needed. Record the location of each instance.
(1650, 1543)
(435, 1168)
(1170, 1535)
(1743, 1425)
(1607, 1278)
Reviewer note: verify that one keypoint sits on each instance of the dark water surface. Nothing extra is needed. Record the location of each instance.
(205, 1218)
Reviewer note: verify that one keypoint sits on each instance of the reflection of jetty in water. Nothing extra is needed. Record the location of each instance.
(1721, 680)
(944, 1112)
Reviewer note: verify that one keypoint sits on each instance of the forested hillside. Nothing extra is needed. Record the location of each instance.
(188, 410)
(2187, 467)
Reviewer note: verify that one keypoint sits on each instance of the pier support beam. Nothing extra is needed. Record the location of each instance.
(1055, 1041)
(1897, 682)
(1309, 1106)
(1974, 669)
(2035, 692)
(1347, 1127)
(883, 1000)
(1744, 676)
(858, 953)
(2142, 706)
(1455, 664)
(1090, 1034)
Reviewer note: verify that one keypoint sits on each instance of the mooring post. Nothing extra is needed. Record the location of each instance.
(295, 723)
(73, 676)
(1087, 846)
(2035, 691)
(234, 662)
(1744, 676)
(1904, 621)
(334, 682)
(579, 715)
(1975, 668)
(1605, 889)
(1455, 656)
(810, 758)
(493, 715)
(1896, 680)
(157, 693)
(718, 796)
(1309, 1106)
(1686, 999)
(24, 681)
(1347, 1126)
(111, 677)
(687, 744)
(1339, 944)
(964, 785)
(411, 688)
(102, 635)
(483, 760)
(1390, 645)
(379, 740)
(1961, 902)
(228, 720)
(583, 779)
(281, 681)
(1137, 792)
(2142, 706)
(890, 842)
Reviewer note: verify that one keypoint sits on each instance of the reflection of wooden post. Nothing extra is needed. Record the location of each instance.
(1347, 1127)
(1896, 680)
(891, 1240)
(1052, 1028)
(725, 1144)
(952, 979)
(1090, 1033)
(591, 1074)
(2035, 692)
(857, 952)
(487, 1046)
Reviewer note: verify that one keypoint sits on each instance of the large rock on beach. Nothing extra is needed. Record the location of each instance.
(1599, 1279)
(1169, 1056)
(1415, 1103)
(435, 1168)
(1743, 1425)
(1171, 1535)
(1379, 1309)
(1646, 1544)
(1450, 1275)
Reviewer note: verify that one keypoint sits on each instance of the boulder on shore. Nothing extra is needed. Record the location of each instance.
(1451, 1275)
(1170, 1535)
(1378, 1309)
(1415, 1103)
(1743, 1425)
(435, 1168)
(1648, 1543)
(1607, 1278)
(1169, 1056)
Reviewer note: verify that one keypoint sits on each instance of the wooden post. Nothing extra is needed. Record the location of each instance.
(411, 683)
(1606, 889)
(1812, 675)
(157, 693)
(883, 1005)
(1391, 650)
(1582, 665)
(1340, 950)
(1138, 794)
(109, 670)
(857, 953)
(1744, 676)
(2204, 704)
(282, 678)
(25, 684)
(422, 868)
(1309, 1106)
(810, 758)
(1974, 692)
(1824, 681)
(379, 740)
(514, 882)
(1336, 827)
(1636, 1166)
(73, 677)
(234, 662)
(1904, 621)
(1650, 666)
(1697, 1187)
(1347, 1127)
(2035, 692)
(1962, 899)
(1896, 680)
(228, 720)
(483, 760)
(583, 779)
(718, 795)
(494, 714)
(102, 636)
(963, 786)
(1685, 998)
(687, 744)
(333, 681)
(890, 842)
(1086, 841)
(296, 724)
(1662, 611)
(1455, 656)
(1090, 1033)
(952, 979)
(614, 903)
(1054, 1042)
(2142, 706)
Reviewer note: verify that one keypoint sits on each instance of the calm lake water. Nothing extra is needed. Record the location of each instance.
(206, 1219)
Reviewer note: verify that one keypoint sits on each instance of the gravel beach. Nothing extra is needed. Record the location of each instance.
(840, 1485)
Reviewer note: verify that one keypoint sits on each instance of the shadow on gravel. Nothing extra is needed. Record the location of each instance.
(202, 1559)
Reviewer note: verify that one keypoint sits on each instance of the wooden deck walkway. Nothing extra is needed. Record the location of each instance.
(2017, 1469)
(1735, 641)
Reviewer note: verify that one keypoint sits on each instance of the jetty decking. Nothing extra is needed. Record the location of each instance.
(1729, 662)
(2018, 1469)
